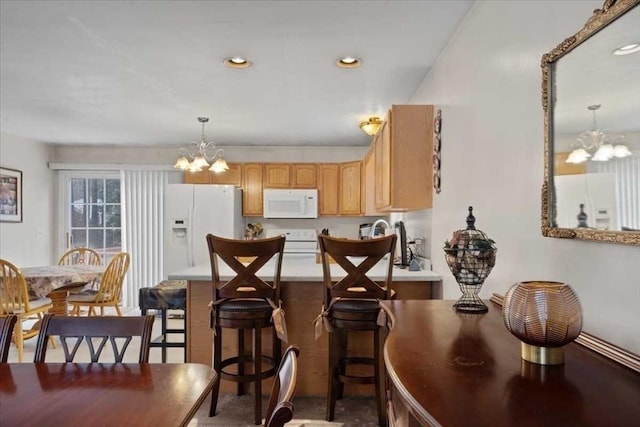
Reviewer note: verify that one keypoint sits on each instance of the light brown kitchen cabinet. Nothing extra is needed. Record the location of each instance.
(404, 159)
(233, 176)
(252, 184)
(304, 175)
(328, 187)
(277, 175)
(350, 201)
(201, 177)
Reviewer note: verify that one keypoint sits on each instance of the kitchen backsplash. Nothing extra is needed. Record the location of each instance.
(346, 227)
(417, 225)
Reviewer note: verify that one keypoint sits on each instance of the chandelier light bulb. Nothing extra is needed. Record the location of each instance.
(219, 165)
(621, 151)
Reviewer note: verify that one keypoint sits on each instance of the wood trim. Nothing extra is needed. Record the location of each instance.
(602, 347)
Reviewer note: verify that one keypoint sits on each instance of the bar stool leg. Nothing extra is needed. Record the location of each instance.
(185, 335)
(379, 379)
(332, 390)
(343, 342)
(257, 368)
(163, 314)
(241, 356)
(217, 361)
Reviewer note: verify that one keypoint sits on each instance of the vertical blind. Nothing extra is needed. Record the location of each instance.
(627, 177)
(143, 232)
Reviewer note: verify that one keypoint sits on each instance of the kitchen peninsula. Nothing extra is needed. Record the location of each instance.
(302, 293)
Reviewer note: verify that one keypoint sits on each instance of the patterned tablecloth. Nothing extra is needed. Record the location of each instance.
(42, 280)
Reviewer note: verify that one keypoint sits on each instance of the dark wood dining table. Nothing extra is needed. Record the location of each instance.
(55, 282)
(104, 394)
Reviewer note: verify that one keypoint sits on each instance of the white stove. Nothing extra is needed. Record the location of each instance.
(298, 241)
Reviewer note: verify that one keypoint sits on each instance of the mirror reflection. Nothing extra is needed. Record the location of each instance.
(595, 138)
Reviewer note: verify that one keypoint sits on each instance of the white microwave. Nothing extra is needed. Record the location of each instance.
(279, 203)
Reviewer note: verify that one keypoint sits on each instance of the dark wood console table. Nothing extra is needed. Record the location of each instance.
(453, 369)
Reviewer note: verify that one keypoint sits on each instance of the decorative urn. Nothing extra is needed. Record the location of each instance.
(470, 255)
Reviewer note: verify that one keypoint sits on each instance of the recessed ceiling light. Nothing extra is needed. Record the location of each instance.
(627, 49)
(237, 62)
(348, 62)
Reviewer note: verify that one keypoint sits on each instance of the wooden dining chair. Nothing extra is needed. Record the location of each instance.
(109, 291)
(280, 408)
(6, 331)
(80, 256)
(245, 303)
(14, 299)
(95, 332)
(352, 304)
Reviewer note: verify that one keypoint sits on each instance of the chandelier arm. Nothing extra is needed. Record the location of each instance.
(210, 152)
(189, 151)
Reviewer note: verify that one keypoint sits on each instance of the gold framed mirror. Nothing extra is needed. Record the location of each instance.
(591, 103)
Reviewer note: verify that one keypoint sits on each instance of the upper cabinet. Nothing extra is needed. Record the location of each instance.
(290, 175)
(350, 189)
(328, 186)
(304, 175)
(402, 151)
(233, 176)
(277, 175)
(252, 184)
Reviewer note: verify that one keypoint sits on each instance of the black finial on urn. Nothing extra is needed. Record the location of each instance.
(471, 220)
(582, 217)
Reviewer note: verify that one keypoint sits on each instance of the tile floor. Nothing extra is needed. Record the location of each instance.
(232, 410)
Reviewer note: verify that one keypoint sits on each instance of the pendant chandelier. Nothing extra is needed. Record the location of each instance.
(597, 145)
(197, 155)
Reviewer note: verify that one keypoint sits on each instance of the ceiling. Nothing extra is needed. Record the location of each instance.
(591, 75)
(141, 72)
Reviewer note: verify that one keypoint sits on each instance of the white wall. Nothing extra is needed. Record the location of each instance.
(29, 243)
(487, 83)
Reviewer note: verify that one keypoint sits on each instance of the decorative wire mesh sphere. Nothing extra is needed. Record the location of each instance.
(544, 316)
(470, 255)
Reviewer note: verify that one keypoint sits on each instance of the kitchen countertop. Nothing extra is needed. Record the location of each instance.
(303, 268)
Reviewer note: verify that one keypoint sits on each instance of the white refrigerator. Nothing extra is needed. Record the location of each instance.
(191, 212)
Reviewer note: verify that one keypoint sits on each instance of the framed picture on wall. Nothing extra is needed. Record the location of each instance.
(10, 195)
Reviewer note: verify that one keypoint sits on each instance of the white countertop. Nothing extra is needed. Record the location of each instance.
(303, 268)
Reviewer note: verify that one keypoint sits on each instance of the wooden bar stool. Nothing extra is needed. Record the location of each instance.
(351, 304)
(246, 302)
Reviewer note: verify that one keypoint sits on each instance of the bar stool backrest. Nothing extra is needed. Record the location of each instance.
(366, 253)
(246, 284)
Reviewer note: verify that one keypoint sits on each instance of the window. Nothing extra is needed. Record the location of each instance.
(93, 213)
